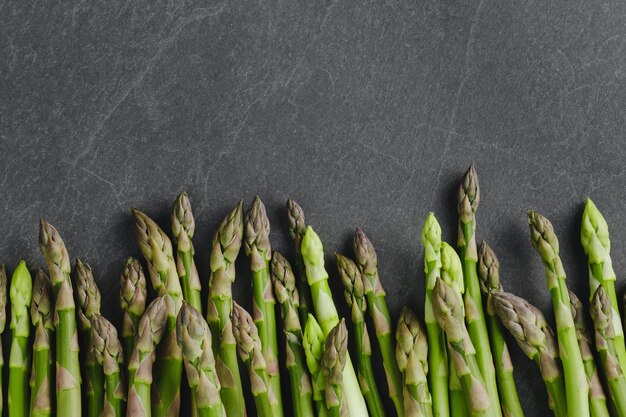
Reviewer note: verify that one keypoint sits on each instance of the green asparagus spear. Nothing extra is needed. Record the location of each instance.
(20, 292)
(356, 300)
(333, 362)
(546, 243)
(489, 279)
(110, 356)
(368, 263)
(313, 345)
(297, 229)
(194, 338)
(536, 339)
(412, 357)
(249, 347)
(225, 248)
(3, 319)
(133, 296)
(41, 378)
(287, 294)
(66, 339)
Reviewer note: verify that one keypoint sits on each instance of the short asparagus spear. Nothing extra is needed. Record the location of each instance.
(287, 294)
(412, 357)
(602, 314)
(536, 339)
(3, 319)
(66, 339)
(20, 293)
(41, 378)
(194, 338)
(368, 263)
(489, 279)
(313, 345)
(546, 243)
(249, 347)
(133, 296)
(110, 356)
(333, 362)
(355, 298)
(297, 228)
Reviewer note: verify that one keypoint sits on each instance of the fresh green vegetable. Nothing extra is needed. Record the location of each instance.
(133, 294)
(297, 229)
(313, 345)
(3, 320)
(42, 375)
(109, 354)
(333, 363)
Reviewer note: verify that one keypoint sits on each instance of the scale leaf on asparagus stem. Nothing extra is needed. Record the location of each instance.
(42, 374)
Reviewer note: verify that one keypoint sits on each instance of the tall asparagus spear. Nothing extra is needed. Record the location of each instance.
(297, 228)
(597, 399)
(368, 263)
(249, 347)
(437, 352)
(355, 298)
(326, 313)
(313, 345)
(603, 320)
(156, 247)
(226, 246)
(133, 296)
(19, 361)
(594, 236)
(42, 375)
(546, 243)
(3, 320)
(258, 248)
(66, 339)
(110, 356)
(194, 338)
(333, 362)
(536, 339)
(287, 294)
(489, 279)
(412, 356)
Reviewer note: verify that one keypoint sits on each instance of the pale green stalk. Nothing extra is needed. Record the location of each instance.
(42, 376)
(313, 345)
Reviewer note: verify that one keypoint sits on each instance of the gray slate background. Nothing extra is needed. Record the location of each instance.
(366, 113)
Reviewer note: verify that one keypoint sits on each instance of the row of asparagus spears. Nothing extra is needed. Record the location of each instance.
(66, 358)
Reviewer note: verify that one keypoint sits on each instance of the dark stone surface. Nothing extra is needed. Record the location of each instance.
(366, 113)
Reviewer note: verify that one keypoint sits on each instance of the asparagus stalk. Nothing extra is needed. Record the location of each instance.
(313, 345)
(225, 248)
(3, 319)
(412, 357)
(297, 229)
(489, 279)
(597, 399)
(194, 338)
(437, 353)
(333, 363)
(368, 263)
(133, 296)
(547, 245)
(603, 317)
(326, 313)
(110, 356)
(249, 347)
(66, 340)
(151, 330)
(41, 378)
(536, 339)
(20, 293)
(287, 294)
(356, 300)
(258, 248)
(156, 248)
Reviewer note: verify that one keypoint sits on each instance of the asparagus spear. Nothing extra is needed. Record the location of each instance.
(412, 357)
(20, 293)
(355, 298)
(133, 296)
(597, 399)
(249, 347)
(110, 356)
(151, 330)
(287, 294)
(258, 248)
(66, 340)
(313, 345)
(326, 313)
(536, 339)
(333, 363)
(437, 353)
(297, 228)
(368, 263)
(41, 378)
(3, 319)
(603, 320)
(489, 279)
(156, 248)
(225, 248)
(546, 243)
(194, 338)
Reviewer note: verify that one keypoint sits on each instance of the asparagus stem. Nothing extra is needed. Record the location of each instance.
(41, 378)
(458, 402)
(3, 319)
(66, 340)
(133, 296)
(313, 345)
(109, 354)
(297, 228)
(225, 248)
(547, 245)
(356, 299)
(333, 363)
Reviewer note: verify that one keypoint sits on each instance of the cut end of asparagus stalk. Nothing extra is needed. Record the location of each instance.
(133, 291)
(257, 235)
(183, 223)
(542, 236)
(468, 196)
(87, 294)
(53, 247)
(295, 216)
(488, 270)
